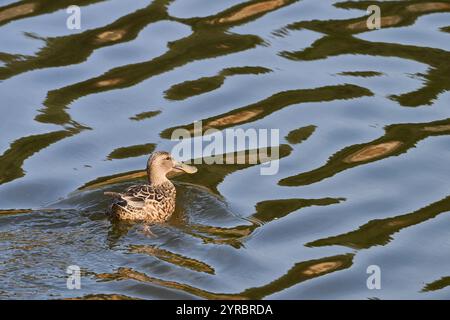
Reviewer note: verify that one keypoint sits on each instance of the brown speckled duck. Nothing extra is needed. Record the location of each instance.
(153, 202)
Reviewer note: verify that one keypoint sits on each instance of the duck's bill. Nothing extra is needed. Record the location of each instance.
(185, 168)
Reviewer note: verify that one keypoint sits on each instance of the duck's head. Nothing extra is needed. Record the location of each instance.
(161, 163)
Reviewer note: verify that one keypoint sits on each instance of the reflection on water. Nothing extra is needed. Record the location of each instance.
(30, 8)
(379, 232)
(173, 258)
(300, 272)
(438, 284)
(363, 177)
(132, 151)
(11, 160)
(195, 87)
(300, 134)
(437, 78)
(397, 139)
(277, 101)
(17, 11)
(247, 11)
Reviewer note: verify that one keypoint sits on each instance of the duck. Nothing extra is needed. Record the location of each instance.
(153, 202)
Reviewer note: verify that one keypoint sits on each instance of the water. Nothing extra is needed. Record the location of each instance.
(364, 122)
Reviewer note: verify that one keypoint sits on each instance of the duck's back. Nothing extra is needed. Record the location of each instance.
(145, 202)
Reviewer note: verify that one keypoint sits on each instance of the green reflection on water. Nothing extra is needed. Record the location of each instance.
(212, 37)
(398, 139)
(11, 160)
(300, 272)
(192, 88)
(380, 231)
(339, 40)
(274, 103)
(132, 151)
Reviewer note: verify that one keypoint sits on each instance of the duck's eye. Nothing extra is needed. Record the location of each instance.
(167, 158)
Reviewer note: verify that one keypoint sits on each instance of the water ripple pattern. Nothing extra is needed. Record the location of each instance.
(364, 120)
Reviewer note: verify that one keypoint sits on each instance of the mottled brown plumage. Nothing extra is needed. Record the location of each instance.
(153, 202)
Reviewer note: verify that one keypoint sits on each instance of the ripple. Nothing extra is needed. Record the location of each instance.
(192, 88)
(397, 140)
(373, 151)
(379, 232)
(12, 159)
(17, 11)
(250, 10)
(301, 134)
(274, 103)
(132, 151)
(357, 181)
(173, 258)
(428, 7)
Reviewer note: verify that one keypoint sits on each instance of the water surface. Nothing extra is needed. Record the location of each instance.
(364, 123)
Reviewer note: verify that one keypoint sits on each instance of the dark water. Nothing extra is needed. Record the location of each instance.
(364, 122)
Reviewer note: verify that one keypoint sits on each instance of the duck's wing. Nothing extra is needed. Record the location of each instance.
(135, 196)
(142, 193)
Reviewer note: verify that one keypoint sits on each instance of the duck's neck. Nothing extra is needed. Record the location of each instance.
(156, 178)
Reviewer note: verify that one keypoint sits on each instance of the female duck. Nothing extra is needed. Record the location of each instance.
(153, 202)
